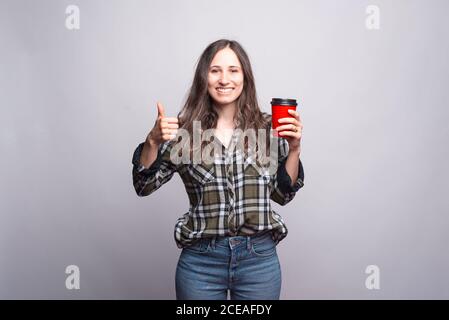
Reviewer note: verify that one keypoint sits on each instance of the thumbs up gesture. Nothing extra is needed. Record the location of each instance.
(165, 128)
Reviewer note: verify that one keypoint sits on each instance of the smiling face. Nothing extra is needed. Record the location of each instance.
(225, 78)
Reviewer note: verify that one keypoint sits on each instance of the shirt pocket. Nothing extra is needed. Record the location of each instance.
(202, 173)
(255, 179)
(252, 169)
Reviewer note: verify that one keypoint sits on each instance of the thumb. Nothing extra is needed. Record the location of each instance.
(160, 110)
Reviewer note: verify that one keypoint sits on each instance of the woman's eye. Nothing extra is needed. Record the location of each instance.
(213, 71)
(235, 70)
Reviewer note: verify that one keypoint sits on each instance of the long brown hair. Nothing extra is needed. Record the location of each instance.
(199, 104)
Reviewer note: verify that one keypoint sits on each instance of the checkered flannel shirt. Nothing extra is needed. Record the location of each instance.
(227, 197)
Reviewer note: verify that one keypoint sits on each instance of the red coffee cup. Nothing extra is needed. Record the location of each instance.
(279, 109)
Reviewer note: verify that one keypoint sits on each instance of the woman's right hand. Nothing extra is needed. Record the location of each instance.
(165, 128)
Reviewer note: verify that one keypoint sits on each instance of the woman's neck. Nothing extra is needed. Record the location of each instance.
(226, 115)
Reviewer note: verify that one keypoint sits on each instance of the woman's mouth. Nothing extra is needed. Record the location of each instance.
(223, 90)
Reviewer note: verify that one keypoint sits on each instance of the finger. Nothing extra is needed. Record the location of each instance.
(294, 113)
(290, 134)
(289, 120)
(169, 131)
(286, 127)
(168, 136)
(170, 119)
(170, 125)
(160, 110)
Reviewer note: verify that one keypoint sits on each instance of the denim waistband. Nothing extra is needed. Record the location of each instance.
(236, 240)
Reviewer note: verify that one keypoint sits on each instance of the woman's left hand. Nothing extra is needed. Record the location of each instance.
(291, 130)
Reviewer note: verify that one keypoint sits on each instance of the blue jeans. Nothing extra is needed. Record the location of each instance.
(246, 266)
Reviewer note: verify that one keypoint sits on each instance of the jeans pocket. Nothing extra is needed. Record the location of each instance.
(265, 248)
(201, 247)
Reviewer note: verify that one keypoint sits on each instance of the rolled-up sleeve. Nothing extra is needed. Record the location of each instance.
(148, 180)
(283, 190)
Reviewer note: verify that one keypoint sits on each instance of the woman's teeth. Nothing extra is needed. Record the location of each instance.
(224, 90)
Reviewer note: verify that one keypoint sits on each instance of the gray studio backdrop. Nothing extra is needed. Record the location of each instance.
(76, 102)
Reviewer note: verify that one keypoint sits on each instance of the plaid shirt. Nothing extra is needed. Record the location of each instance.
(226, 198)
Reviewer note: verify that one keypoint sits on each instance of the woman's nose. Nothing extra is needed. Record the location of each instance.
(224, 78)
(223, 82)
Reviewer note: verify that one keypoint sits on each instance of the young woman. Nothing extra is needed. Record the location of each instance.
(229, 234)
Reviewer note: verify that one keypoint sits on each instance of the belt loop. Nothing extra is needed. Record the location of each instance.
(212, 242)
(248, 243)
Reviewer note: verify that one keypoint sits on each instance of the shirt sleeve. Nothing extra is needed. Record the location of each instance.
(283, 190)
(148, 180)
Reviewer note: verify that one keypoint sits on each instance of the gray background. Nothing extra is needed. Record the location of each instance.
(75, 104)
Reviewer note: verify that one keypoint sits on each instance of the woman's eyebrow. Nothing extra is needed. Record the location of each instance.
(228, 67)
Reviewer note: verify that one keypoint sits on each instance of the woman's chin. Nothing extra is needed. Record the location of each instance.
(224, 102)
